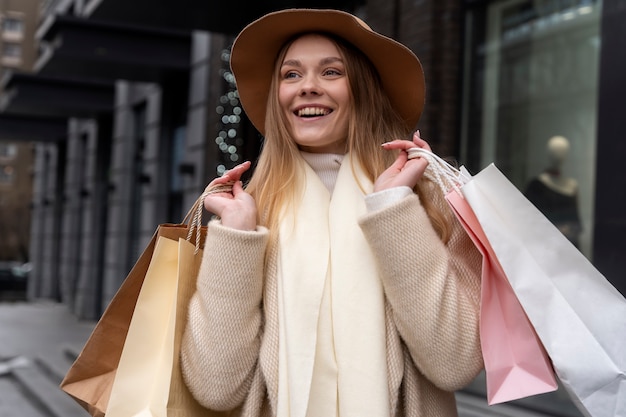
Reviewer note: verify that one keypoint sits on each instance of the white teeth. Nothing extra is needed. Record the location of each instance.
(312, 111)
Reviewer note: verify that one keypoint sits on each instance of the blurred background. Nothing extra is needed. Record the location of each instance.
(115, 114)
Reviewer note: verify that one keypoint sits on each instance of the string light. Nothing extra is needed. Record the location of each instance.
(229, 111)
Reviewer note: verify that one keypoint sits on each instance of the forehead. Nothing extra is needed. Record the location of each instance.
(312, 43)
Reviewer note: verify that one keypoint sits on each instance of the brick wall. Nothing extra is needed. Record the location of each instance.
(431, 29)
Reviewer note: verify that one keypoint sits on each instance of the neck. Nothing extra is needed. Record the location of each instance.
(554, 171)
(325, 165)
(558, 183)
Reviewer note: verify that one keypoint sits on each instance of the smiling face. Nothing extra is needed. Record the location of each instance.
(313, 92)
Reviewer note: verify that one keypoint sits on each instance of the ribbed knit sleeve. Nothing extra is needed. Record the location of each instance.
(433, 289)
(220, 346)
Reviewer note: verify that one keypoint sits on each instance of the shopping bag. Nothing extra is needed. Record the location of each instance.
(148, 381)
(578, 315)
(91, 377)
(180, 401)
(147, 356)
(516, 363)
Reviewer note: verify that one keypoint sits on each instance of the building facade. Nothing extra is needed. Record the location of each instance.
(15, 198)
(18, 22)
(131, 113)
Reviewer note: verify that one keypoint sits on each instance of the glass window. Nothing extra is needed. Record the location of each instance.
(7, 174)
(530, 103)
(12, 50)
(8, 151)
(529, 106)
(12, 25)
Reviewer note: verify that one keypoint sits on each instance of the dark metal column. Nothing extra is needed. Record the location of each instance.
(609, 253)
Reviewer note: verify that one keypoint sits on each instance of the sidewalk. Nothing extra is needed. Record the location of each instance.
(39, 341)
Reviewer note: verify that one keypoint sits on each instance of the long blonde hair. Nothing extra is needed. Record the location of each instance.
(277, 179)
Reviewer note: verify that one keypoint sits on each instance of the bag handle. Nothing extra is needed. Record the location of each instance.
(440, 171)
(193, 218)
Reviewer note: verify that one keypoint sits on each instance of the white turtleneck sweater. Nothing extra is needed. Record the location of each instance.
(326, 166)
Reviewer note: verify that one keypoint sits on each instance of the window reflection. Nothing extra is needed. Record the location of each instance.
(532, 75)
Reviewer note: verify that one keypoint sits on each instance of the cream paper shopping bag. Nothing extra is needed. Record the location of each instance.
(180, 401)
(142, 381)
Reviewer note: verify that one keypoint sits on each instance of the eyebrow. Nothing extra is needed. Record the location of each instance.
(298, 63)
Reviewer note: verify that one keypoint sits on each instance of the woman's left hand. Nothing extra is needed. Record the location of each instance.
(404, 171)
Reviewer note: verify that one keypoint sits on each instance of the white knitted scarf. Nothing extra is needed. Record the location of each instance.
(328, 283)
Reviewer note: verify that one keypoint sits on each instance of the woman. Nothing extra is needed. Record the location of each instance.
(336, 283)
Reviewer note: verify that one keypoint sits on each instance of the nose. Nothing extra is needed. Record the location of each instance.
(310, 86)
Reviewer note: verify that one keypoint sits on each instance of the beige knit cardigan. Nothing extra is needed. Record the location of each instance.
(229, 352)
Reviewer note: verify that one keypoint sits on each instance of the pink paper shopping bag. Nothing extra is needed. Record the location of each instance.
(516, 363)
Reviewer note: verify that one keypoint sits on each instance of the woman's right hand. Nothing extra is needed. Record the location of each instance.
(237, 209)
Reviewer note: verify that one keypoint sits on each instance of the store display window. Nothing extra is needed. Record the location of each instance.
(530, 106)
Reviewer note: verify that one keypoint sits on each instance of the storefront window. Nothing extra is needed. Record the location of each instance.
(530, 107)
(532, 75)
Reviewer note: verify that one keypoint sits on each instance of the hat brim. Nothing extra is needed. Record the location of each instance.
(256, 47)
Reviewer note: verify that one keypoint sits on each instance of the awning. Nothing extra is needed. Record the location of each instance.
(36, 95)
(90, 48)
(227, 17)
(19, 128)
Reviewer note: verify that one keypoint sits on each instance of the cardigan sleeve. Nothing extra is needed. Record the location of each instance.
(220, 345)
(433, 289)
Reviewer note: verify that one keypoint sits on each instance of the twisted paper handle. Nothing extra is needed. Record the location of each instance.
(439, 171)
(194, 216)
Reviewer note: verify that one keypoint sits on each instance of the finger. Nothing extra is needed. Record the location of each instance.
(398, 144)
(400, 161)
(237, 188)
(421, 143)
(213, 202)
(219, 185)
(235, 173)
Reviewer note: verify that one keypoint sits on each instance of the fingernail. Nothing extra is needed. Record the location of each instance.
(385, 144)
(417, 132)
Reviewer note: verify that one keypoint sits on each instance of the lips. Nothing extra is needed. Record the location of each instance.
(312, 111)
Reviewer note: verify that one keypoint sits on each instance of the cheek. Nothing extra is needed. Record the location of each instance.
(285, 96)
(341, 94)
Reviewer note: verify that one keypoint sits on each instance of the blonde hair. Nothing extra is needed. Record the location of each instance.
(277, 178)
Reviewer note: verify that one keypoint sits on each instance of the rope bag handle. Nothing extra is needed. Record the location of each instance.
(193, 218)
(441, 172)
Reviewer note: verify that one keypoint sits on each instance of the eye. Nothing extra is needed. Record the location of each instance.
(332, 72)
(290, 75)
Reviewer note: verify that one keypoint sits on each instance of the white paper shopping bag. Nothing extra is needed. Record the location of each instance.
(578, 315)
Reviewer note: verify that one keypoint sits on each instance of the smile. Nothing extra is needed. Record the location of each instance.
(312, 112)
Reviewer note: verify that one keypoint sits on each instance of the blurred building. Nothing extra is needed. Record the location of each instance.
(132, 110)
(18, 22)
(15, 200)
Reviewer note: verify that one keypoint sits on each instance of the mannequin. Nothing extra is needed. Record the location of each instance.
(556, 195)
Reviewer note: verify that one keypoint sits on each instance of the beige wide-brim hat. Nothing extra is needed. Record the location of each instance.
(257, 46)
